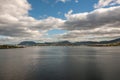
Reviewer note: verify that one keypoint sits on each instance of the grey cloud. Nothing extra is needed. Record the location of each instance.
(93, 34)
(48, 23)
(15, 22)
(95, 19)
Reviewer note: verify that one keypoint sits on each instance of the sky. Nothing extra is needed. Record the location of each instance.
(59, 20)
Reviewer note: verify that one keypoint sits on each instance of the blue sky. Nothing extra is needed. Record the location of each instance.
(42, 9)
(45, 8)
(58, 20)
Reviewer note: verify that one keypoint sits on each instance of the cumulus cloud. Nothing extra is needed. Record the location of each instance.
(16, 24)
(96, 34)
(15, 21)
(48, 24)
(14, 17)
(104, 17)
(103, 3)
(103, 23)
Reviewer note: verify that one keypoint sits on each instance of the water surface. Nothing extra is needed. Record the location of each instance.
(60, 63)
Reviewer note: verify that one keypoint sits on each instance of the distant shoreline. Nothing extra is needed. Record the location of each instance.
(10, 46)
(20, 46)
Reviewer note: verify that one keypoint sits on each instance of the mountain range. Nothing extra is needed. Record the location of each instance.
(114, 42)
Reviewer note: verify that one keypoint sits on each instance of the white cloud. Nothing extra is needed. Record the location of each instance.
(96, 34)
(47, 24)
(103, 3)
(95, 19)
(96, 25)
(15, 23)
(76, 1)
(64, 1)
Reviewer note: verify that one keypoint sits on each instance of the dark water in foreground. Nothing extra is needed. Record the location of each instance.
(60, 63)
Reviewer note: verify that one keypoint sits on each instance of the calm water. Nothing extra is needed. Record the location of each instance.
(60, 63)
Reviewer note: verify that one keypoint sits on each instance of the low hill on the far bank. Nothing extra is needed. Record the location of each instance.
(28, 43)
